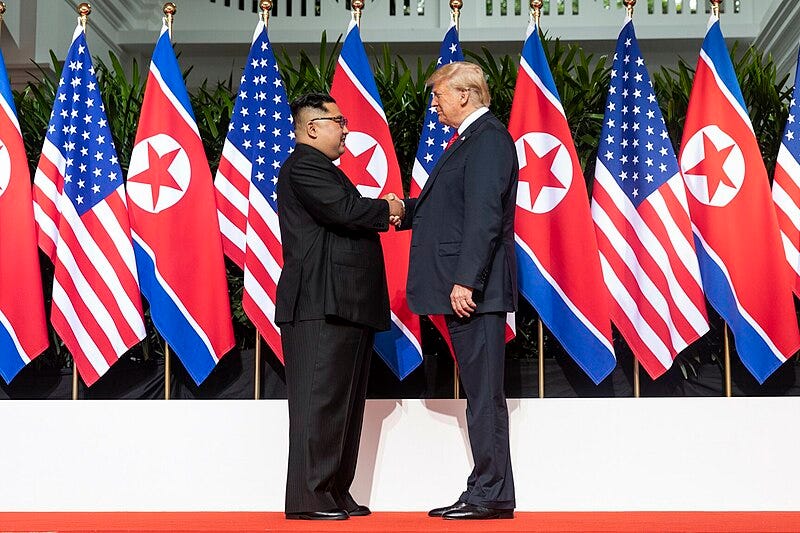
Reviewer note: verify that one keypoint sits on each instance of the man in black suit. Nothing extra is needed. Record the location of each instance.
(463, 266)
(331, 298)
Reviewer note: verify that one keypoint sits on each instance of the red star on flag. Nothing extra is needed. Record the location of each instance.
(356, 167)
(711, 166)
(538, 171)
(157, 174)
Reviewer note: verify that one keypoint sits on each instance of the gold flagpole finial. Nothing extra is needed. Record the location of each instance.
(536, 11)
(266, 7)
(169, 13)
(629, 5)
(455, 11)
(357, 6)
(715, 7)
(84, 10)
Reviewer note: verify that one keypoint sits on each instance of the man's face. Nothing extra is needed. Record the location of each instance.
(330, 129)
(448, 103)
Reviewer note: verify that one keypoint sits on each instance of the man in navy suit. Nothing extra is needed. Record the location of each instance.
(463, 266)
(331, 299)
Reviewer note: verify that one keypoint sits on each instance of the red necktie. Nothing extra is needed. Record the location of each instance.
(451, 141)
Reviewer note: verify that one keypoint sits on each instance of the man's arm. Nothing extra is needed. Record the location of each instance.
(410, 206)
(331, 204)
(485, 181)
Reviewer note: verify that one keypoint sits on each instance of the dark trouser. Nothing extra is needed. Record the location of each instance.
(479, 343)
(327, 365)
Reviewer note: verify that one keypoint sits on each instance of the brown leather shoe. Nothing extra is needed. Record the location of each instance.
(439, 511)
(476, 512)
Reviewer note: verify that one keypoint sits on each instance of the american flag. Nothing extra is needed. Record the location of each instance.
(260, 138)
(433, 141)
(435, 135)
(640, 212)
(786, 185)
(82, 222)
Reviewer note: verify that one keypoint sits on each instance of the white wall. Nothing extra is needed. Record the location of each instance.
(569, 455)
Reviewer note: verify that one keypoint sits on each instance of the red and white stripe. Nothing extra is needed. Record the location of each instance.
(251, 238)
(786, 195)
(232, 185)
(650, 269)
(96, 308)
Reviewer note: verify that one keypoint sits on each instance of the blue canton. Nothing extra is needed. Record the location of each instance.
(79, 130)
(791, 135)
(435, 135)
(261, 125)
(634, 144)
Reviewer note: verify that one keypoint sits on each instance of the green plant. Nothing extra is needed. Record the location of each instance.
(306, 76)
(581, 80)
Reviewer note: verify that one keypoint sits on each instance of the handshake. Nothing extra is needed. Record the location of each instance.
(397, 209)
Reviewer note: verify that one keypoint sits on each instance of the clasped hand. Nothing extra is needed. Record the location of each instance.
(397, 209)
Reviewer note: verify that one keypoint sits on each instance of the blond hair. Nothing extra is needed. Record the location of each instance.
(463, 76)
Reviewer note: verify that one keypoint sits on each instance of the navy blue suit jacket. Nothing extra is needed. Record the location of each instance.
(463, 224)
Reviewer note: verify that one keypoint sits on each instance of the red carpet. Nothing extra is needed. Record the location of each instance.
(403, 522)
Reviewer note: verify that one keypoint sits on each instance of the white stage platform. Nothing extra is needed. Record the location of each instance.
(623, 454)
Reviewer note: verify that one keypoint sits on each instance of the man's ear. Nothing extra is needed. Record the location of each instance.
(311, 130)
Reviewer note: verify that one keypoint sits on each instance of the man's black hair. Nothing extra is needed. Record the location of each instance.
(313, 100)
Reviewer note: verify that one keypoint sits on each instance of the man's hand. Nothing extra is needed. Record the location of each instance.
(397, 209)
(461, 300)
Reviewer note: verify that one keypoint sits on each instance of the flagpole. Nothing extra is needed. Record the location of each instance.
(726, 341)
(84, 9)
(727, 353)
(540, 347)
(455, 13)
(357, 6)
(535, 15)
(536, 11)
(169, 13)
(629, 5)
(266, 7)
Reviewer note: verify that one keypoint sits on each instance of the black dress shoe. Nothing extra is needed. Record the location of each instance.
(333, 514)
(439, 511)
(361, 510)
(476, 512)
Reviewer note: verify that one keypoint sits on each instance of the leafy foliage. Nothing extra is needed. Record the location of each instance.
(581, 79)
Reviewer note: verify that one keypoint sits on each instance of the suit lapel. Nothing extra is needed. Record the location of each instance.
(449, 153)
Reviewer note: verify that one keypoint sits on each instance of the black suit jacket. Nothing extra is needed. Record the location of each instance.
(332, 256)
(463, 222)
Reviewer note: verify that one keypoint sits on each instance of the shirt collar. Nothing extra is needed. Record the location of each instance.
(472, 117)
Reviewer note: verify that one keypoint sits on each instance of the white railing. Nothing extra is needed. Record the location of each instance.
(300, 21)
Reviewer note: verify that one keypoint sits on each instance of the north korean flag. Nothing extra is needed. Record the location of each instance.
(371, 164)
(558, 261)
(744, 272)
(174, 223)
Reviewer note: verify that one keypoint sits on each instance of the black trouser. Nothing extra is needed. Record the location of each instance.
(479, 343)
(327, 366)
